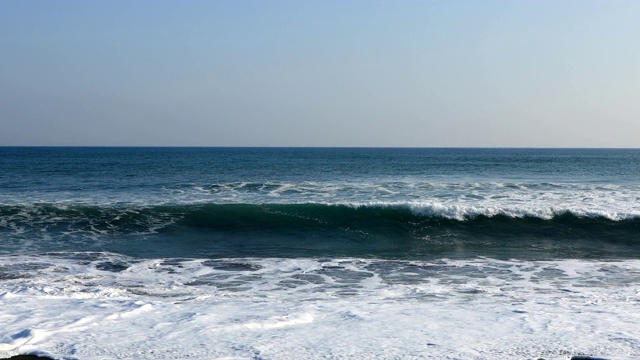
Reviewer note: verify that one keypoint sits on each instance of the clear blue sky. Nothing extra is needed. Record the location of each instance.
(320, 73)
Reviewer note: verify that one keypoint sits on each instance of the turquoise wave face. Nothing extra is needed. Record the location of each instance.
(294, 230)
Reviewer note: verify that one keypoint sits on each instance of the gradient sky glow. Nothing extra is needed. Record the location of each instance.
(320, 73)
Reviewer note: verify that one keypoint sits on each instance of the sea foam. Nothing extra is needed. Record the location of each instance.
(317, 308)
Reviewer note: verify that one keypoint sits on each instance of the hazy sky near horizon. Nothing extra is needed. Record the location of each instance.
(320, 73)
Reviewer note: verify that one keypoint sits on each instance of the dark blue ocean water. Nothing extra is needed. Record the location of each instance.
(321, 202)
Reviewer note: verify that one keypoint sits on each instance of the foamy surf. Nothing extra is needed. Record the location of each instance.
(319, 308)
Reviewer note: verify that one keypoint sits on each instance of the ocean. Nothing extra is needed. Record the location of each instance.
(319, 253)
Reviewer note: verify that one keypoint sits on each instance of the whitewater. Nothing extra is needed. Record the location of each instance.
(318, 308)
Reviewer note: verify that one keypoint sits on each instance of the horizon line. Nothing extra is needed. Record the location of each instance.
(317, 147)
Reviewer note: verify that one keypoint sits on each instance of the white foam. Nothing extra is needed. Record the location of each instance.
(280, 321)
(293, 191)
(318, 308)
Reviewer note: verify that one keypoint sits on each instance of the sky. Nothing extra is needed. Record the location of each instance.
(320, 73)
